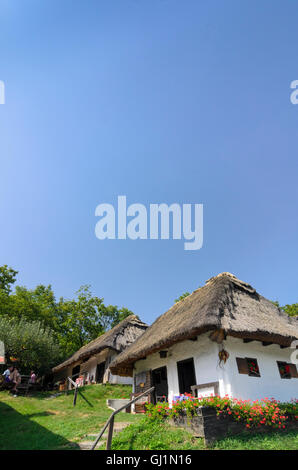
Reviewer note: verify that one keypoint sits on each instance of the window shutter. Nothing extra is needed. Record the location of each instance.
(293, 370)
(279, 364)
(242, 365)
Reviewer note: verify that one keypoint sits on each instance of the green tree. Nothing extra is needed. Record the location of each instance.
(182, 297)
(35, 304)
(7, 278)
(291, 310)
(83, 319)
(118, 315)
(73, 322)
(33, 345)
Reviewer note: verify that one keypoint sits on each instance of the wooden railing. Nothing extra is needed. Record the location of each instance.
(110, 421)
(76, 387)
(76, 391)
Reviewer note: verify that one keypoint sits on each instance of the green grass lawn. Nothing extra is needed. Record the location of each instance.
(146, 435)
(41, 423)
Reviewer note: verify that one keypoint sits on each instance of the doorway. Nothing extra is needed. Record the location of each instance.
(100, 370)
(160, 382)
(186, 375)
(75, 371)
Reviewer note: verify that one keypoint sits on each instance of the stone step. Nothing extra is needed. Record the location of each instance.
(86, 445)
(117, 428)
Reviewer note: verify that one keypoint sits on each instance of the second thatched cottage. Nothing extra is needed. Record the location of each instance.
(224, 338)
(92, 360)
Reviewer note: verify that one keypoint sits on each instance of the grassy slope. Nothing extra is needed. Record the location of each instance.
(160, 436)
(39, 423)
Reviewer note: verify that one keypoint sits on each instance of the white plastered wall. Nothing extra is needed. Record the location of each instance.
(270, 383)
(207, 368)
(90, 367)
(204, 353)
(104, 356)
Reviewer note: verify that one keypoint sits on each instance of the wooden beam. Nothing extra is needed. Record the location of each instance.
(163, 354)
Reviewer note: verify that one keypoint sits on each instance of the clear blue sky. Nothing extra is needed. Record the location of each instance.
(161, 101)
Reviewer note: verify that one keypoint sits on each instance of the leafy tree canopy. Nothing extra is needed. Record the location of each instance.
(290, 309)
(31, 344)
(73, 322)
(7, 278)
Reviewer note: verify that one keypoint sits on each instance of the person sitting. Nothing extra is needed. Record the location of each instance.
(7, 374)
(33, 377)
(15, 378)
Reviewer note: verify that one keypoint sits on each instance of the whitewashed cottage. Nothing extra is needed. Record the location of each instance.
(224, 338)
(92, 360)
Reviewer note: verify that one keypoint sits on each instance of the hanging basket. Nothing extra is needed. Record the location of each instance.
(223, 356)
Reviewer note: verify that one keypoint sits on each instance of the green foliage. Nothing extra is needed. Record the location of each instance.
(287, 440)
(182, 297)
(290, 309)
(159, 435)
(74, 322)
(7, 278)
(155, 435)
(35, 304)
(83, 319)
(32, 344)
(290, 409)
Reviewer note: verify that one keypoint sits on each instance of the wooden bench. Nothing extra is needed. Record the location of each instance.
(25, 386)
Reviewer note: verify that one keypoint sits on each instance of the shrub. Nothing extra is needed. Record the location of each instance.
(290, 409)
(32, 345)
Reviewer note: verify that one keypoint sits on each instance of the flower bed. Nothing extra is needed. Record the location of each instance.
(211, 417)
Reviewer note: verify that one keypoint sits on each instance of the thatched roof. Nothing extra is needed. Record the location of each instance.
(223, 303)
(110, 339)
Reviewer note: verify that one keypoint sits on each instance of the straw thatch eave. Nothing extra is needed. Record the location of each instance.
(224, 303)
(106, 341)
